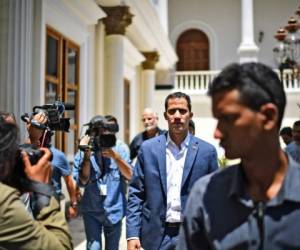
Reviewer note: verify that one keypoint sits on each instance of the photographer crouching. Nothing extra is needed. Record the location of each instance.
(102, 168)
(18, 230)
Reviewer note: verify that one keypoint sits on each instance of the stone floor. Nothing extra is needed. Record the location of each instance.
(78, 235)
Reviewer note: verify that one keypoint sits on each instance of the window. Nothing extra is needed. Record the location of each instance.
(62, 83)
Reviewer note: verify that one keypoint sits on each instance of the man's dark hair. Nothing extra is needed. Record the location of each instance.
(191, 124)
(9, 144)
(4, 115)
(111, 118)
(178, 95)
(296, 123)
(286, 131)
(257, 83)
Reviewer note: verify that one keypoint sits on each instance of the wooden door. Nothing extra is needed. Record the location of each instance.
(193, 51)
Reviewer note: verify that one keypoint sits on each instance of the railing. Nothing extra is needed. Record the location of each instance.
(197, 82)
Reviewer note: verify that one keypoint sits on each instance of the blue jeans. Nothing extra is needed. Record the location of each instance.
(94, 223)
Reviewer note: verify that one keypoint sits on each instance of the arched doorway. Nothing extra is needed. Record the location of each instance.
(193, 51)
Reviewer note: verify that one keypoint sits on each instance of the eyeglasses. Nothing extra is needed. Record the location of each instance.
(173, 111)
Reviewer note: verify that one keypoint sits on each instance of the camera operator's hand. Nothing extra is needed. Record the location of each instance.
(85, 171)
(84, 140)
(124, 167)
(72, 212)
(109, 153)
(41, 171)
(35, 133)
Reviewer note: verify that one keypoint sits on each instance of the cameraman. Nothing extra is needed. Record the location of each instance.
(17, 229)
(60, 165)
(103, 173)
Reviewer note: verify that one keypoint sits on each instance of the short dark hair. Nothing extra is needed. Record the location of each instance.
(296, 123)
(257, 83)
(9, 143)
(4, 115)
(178, 95)
(191, 124)
(111, 118)
(286, 131)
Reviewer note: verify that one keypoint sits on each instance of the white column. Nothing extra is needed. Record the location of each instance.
(118, 18)
(100, 68)
(248, 50)
(148, 80)
(16, 57)
(114, 79)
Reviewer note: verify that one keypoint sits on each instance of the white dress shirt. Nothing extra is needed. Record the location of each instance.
(175, 163)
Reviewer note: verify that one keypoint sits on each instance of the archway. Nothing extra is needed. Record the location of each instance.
(193, 51)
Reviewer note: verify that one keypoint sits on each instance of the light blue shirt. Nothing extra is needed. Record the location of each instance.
(60, 167)
(113, 204)
(294, 150)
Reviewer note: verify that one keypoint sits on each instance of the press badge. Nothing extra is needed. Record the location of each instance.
(103, 189)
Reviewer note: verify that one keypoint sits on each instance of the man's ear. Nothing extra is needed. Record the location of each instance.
(191, 115)
(165, 115)
(270, 113)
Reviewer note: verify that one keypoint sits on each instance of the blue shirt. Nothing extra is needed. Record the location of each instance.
(294, 150)
(60, 167)
(221, 215)
(113, 205)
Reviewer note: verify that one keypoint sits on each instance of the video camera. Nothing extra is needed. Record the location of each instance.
(54, 113)
(101, 132)
(55, 122)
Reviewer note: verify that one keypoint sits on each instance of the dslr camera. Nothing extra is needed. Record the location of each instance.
(101, 133)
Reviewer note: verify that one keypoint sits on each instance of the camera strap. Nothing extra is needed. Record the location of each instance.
(41, 195)
(101, 163)
(38, 187)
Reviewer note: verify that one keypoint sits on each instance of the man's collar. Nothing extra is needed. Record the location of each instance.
(184, 143)
(288, 191)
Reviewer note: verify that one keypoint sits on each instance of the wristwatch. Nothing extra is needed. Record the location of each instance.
(74, 204)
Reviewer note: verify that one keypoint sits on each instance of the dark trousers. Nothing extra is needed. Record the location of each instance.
(170, 238)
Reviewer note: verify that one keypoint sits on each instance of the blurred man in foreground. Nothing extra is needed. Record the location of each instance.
(17, 228)
(256, 203)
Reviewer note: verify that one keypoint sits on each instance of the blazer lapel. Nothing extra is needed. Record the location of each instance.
(190, 158)
(161, 158)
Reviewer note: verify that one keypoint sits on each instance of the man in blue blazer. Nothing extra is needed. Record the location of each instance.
(166, 169)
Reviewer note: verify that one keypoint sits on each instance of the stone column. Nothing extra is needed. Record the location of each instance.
(16, 57)
(248, 50)
(148, 78)
(118, 18)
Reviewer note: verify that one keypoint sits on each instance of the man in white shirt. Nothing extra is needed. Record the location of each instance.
(167, 167)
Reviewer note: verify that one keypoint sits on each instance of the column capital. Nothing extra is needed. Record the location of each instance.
(117, 20)
(151, 59)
